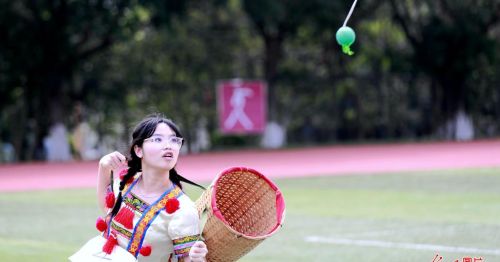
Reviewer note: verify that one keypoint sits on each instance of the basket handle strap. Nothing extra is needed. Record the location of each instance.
(203, 221)
(204, 212)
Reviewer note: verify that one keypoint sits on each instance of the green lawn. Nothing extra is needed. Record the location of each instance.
(446, 208)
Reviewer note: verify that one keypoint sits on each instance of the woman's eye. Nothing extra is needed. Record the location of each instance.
(157, 139)
(176, 140)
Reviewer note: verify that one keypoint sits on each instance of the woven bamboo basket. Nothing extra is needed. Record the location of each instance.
(239, 210)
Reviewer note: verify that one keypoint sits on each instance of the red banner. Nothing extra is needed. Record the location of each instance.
(241, 105)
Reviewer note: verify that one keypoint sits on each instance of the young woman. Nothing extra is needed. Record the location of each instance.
(147, 212)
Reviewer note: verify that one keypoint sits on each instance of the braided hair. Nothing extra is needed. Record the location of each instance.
(143, 130)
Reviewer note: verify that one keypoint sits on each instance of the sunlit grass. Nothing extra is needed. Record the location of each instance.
(450, 208)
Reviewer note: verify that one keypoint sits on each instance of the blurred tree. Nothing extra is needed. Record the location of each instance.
(303, 65)
(171, 68)
(449, 40)
(275, 21)
(279, 21)
(416, 63)
(45, 42)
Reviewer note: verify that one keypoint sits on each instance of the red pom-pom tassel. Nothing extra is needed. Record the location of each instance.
(110, 244)
(145, 250)
(110, 200)
(172, 205)
(101, 225)
(125, 217)
(122, 175)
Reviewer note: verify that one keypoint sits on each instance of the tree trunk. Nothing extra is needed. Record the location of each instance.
(273, 56)
(449, 100)
(45, 102)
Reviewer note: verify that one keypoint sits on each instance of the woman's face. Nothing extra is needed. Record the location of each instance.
(161, 150)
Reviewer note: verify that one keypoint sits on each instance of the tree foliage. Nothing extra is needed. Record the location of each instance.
(43, 44)
(450, 40)
(416, 64)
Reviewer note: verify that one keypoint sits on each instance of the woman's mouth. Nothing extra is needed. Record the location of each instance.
(168, 155)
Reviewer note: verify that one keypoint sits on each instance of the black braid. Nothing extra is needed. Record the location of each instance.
(176, 179)
(134, 166)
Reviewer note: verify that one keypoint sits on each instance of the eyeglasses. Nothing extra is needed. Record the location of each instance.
(171, 140)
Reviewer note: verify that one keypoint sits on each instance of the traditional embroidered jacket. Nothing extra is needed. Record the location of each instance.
(170, 236)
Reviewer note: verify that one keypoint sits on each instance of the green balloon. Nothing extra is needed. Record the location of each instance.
(345, 36)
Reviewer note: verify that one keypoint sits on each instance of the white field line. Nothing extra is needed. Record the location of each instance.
(371, 234)
(414, 246)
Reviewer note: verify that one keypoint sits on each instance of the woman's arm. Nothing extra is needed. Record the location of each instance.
(113, 161)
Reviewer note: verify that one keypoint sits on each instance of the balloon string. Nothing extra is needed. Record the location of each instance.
(350, 12)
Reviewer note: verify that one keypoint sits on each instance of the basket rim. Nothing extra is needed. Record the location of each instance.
(280, 203)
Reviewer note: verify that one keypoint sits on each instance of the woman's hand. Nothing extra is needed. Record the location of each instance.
(113, 161)
(198, 252)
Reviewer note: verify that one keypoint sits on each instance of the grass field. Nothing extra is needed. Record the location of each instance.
(350, 218)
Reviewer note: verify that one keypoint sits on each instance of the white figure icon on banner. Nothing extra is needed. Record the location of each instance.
(238, 103)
